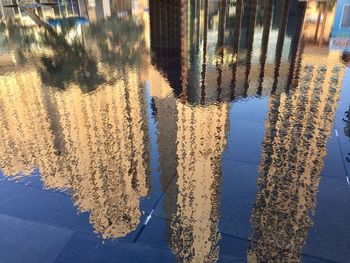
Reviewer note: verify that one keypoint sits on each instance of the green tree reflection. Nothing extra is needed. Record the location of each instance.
(121, 42)
(103, 51)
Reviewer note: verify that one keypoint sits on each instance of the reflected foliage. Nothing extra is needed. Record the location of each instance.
(120, 41)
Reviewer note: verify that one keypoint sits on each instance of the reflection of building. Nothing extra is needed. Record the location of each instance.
(201, 137)
(340, 38)
(191, 141)
(65, 9)
(319, 19)
(297, 129)
(25, 134)
(95, 145)
(204, 60)
(341, 25)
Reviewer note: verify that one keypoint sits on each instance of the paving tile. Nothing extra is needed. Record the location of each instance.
(41, 206)
(159, 233)
(55, 208)
(333, 164)
(313, 259)
(229, 259)
(167, 205)
(27, 241)
(252, 109)
(130, 253)
(156, 233)
(233, 247)
(244, 141)
(238, 193)
(238, 190)
(79, 248)
(329, 236)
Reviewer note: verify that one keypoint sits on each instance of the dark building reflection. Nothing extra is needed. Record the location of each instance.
(221, 50)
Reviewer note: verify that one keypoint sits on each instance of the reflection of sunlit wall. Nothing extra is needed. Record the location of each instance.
(190, 143)
(107, 141)
(297, 129)
(319, 19)
(201, 138)
(26, 141)
(93, 144)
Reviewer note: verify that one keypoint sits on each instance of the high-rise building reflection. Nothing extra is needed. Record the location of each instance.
(93, 143)
(191, 140)
(298, 126)
(191, 137)
(224, 50)
(212, 52)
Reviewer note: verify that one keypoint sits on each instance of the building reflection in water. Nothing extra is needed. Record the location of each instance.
(191, 137)
(298, 126)
(220, 51)
(94, 143)
(194, 137)
(92, 137)
(209, 53)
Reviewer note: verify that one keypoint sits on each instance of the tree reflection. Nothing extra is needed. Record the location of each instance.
(121, 43)
(70, 65)
(65, 63)
(118, 43)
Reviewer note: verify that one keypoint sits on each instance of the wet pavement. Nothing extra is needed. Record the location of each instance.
(175, 131)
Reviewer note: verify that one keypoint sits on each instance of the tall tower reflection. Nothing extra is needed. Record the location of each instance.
(94, 144)
(200, 59)
(191, 137)
(107, 142)
(201, 137)
(191, 140)
(297, 130)
(103, 153)
(219, 50)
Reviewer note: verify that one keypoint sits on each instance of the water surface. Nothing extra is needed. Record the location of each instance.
(200, 127)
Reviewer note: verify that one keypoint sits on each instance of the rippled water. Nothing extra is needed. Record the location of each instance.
(133, 116)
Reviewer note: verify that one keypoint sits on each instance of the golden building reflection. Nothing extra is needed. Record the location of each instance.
(91, 140)
(201, 139)
(298, 126)
(294, 148)
(95, 145)
(268, 57)
(191, 141)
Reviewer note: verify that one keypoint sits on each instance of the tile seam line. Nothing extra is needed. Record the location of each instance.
(341, 152)
(149, 216)
(48, 224)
